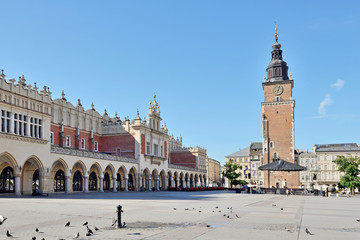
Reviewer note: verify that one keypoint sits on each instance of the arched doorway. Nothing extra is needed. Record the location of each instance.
(93, 181)
(59, 181)
(106, 181)
(131, 185)
(36, 180)
(7, 180)
(118, 182)
(77, 181)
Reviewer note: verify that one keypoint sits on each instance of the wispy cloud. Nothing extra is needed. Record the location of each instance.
(324, 104)
(339, 84)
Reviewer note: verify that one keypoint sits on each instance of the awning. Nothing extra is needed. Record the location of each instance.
(282, 165)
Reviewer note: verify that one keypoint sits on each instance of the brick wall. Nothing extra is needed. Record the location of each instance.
(142, 143)
(186, 159)
(126, 143)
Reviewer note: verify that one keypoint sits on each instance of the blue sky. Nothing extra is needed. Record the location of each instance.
(205, 60)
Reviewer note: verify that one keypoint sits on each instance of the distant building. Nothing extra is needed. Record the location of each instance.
(213, 171)
(249, 159)
(308, 178)
(327, 173)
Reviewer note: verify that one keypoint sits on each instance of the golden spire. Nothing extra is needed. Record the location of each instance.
(276, 34)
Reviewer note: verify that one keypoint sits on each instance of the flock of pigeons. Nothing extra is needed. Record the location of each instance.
(86, 224)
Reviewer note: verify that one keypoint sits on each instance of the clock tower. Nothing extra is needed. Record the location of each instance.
(278, 120)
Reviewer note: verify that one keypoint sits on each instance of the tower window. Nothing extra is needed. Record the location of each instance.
(275, 155)
(271, 144)
(82, 143)
(278, 99)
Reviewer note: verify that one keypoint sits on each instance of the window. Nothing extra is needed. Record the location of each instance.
(325, 167)
(96, 146)
(5, 121)
(35, 128)
(271, 144)
(333, 167)
(278, 99)
(307, 160)
(334, 176)
(148, 149)
(156, 149)
(319, 167)
(68, 141)
(275, 155)
(82, 143)
(325, 158)
(51, 138)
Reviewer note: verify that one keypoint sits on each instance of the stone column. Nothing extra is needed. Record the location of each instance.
(126, 178)
(101, 184)
(148, 184)
(28, 126)
(193, 182)
(171, 182)
(165, 182)
(67, 184)
(156, 184)
(184, 183)
(114, 184)
(17, 185)
(86, 183)
(196, 183)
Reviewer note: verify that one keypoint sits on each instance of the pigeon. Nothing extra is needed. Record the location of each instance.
(199, 211)
(33, 238)
(85, 223)
(273, 205)
(89, 230)
(213, 211)
(208, 225)
(308, 232)
(2, 219)
(236, 215)
(224, 215)
(8, 234)
(186, 209)
(77, 236)
(124, 224)
(228, 216)
(174, 208)
(36, 230)
(219, 210)
(281, 208)
(96, 229)
(358, 220)
(230, 207)
(67, 224)
(227, 208)
(43, 239)
(88, 234)
(216, 207)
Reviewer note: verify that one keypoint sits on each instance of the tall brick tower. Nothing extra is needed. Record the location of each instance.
(278, 120)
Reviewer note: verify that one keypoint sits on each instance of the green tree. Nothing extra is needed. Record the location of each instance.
(230, 171)
(350, 166)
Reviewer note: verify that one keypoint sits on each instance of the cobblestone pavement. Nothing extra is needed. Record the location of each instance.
(182, 215)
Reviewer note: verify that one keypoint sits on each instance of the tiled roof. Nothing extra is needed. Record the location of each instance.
(241, 153)
(343, 147)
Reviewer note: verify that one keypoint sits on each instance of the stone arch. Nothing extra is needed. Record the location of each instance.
(196, 178)
(192, 184)
(154, 179)
(176, 178)
(120, 178)
(95, 174)
(182, 180)
(6, 157)
(132, 180)
(146, 179)
(187, 182)
(58, 165)
(109, 174)
(170, 179)
(31, 174)
(78, 171)
(162, 180)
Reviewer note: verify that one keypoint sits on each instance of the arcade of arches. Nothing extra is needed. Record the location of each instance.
(60, 178)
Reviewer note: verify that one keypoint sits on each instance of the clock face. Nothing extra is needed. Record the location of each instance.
(278, 90)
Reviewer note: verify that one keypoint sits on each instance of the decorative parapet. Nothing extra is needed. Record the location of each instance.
(23, 138)
(84, 153)
(24, 89)
(186, 168)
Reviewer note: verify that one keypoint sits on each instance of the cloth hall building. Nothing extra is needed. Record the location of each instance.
(53, 146)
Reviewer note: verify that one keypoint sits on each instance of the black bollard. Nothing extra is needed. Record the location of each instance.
(119, 211)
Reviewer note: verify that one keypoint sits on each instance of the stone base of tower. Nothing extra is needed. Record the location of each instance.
(277, 179)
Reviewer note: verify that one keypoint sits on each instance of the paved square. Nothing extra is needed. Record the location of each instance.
(182, 215)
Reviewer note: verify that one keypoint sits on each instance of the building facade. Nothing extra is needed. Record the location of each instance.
(308, 178)
(213, 172)
(278, 120)
(53, 146)
(248, 159)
